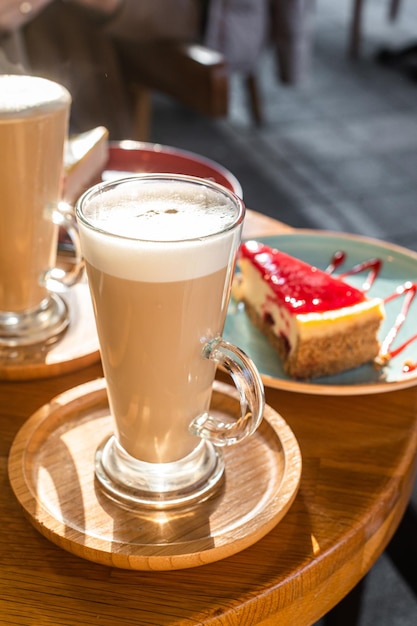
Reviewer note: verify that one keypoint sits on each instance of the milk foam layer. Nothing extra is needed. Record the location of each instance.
(157, 232)
(22, 96)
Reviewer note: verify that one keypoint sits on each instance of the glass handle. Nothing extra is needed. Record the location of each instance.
(58, 279)
(251, 391)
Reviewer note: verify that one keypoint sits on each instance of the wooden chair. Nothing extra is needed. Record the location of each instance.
(192, 74)
(355, 34)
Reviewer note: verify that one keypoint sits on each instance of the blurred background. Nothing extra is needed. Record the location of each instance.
(338, 150)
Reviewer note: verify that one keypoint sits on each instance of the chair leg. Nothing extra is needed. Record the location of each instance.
(356, 31)
(394, 9)
(254, 99)
(142, 112)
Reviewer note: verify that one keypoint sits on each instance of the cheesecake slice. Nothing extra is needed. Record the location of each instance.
(318, 323)
(85, 157)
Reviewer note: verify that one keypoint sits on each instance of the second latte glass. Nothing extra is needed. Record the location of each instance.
(34, 116)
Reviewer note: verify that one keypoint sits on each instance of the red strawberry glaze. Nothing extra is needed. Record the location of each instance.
(298, 286)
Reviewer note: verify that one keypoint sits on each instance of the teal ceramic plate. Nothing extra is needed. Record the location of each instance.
(317, 248)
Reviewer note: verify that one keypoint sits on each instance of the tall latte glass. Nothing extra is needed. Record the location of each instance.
(160, 252)
(33, 128)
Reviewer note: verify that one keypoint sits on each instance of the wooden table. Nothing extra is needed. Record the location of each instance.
(359, 462)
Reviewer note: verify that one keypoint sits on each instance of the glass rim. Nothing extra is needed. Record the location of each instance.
(106, 185)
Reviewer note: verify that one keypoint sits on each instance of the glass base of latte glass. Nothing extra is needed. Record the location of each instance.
(134, 484)
(41, 325)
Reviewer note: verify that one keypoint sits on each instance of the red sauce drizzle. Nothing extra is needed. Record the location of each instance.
(409, 291)
(337, 259)
(373, 264)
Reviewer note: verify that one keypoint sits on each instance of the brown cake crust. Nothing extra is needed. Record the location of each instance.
(323, 356)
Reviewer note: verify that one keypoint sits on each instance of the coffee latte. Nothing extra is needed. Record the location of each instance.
(33, 127)
(157, 303)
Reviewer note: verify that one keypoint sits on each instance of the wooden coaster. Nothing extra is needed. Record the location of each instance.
(51, 470)
(77, 347)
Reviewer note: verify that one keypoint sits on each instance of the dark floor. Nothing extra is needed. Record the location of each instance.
(338, 152)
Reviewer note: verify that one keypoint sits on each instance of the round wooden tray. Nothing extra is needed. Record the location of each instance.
(78, 347)
(51, 470)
